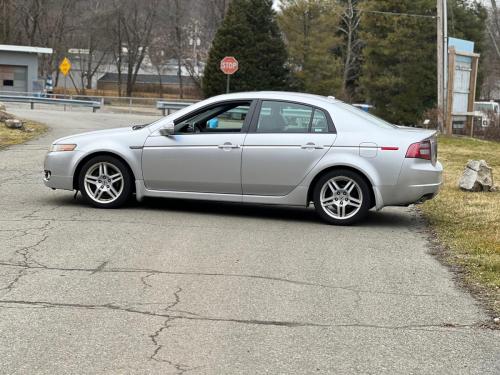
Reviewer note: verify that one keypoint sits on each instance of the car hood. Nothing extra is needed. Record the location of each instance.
(106, 132)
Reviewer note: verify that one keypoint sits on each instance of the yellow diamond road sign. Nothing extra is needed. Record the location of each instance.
(65, 66)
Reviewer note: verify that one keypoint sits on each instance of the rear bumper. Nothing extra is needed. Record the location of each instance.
(418, 181)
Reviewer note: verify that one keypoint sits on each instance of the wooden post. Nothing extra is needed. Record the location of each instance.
(442, 63)
(472, 93)
(452, 57)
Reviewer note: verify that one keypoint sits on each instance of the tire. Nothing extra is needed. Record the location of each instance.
(345, 196)
(105, 182)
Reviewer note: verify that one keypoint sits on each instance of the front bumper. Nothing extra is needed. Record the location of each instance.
(59, 168)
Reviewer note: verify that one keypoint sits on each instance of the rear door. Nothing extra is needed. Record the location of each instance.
(286, 140)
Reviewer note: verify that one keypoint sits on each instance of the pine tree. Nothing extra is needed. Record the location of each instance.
(311, 35)
(399, 56)
(467, 20)
(399, 65)
(250, 33)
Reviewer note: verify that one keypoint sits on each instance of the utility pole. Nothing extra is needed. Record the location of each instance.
(442, 62)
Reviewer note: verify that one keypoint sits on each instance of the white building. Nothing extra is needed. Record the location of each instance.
(19, 68)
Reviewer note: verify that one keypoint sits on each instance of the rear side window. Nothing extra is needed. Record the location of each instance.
(283, 117)
(319, 123)
(368, 116)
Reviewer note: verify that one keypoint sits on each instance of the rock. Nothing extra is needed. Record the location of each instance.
(496, 320)
(477, 176)
(14, 124)
(5, 116)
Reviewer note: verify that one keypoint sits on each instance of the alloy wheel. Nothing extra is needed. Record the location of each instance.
(341, 197)
(103, 182)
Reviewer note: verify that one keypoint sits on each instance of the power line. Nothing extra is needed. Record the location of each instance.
(397, 14)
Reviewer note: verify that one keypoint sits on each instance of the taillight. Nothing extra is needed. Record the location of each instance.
(420, 150)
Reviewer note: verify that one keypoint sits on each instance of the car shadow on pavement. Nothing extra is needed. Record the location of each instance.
(385, 218)
(393, 218)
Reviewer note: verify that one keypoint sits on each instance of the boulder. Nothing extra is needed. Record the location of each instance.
(477, 176)
(5, 116)
(14, 124)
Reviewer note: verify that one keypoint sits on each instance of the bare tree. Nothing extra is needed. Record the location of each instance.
(47, 23)
(179, 42)
(132, 31)
(157, 56)
(92, 40)
(121, 31)
(7, 10)
(491, 56)
(350, 18)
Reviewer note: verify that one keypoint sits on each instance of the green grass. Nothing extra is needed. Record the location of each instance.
(468, 224)
(9, 137)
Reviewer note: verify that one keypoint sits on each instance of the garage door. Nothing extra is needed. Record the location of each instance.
(13, 78)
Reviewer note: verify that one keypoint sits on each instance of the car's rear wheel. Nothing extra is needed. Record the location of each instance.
(105, 182)
(341, 197)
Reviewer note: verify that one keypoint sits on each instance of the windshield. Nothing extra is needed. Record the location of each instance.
(367, 116)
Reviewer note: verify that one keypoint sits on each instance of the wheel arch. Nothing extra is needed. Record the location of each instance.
(86, 158)
(337, 167)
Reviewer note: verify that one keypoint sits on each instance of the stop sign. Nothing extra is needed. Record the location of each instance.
(229, 65)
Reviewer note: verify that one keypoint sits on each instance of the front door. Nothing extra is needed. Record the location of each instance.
(283, 145)
(203, 155)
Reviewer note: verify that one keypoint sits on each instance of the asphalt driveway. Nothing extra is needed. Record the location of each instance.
(207, 288)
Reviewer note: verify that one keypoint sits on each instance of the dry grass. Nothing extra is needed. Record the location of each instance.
(10, 137)
(468, 224)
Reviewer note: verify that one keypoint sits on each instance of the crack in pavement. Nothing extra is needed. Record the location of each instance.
(181, 368)
(78, 219)
(257, 322)
(100, 268)
(151, 272)
(26, 253)
(145, 283)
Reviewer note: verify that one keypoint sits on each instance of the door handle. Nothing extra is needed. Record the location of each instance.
(311, 146)
(228, 145)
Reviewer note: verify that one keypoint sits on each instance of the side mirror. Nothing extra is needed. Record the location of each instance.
(168, 129)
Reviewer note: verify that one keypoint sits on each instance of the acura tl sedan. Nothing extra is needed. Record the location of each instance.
(259, 147)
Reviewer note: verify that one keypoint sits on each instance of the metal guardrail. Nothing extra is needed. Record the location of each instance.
(41, 100)
(169, 106)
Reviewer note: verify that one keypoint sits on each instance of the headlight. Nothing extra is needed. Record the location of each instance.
(62, 147)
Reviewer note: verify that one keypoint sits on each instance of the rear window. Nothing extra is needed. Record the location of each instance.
(368, 116)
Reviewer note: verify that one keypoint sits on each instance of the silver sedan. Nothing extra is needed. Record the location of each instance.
(261, 147)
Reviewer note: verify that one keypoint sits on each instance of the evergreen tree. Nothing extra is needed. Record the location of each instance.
(467, 20)
(399, 56)
(250, 33)
(399, 65)
(311, 37)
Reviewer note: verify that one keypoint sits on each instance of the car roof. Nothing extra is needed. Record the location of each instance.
(278, 95)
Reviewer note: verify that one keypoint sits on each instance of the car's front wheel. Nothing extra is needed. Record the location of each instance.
(105, 182)
(341, 197)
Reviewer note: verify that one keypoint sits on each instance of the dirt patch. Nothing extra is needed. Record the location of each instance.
(9, 137)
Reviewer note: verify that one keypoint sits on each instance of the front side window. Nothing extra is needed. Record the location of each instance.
(283, 117)
(224, 118)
